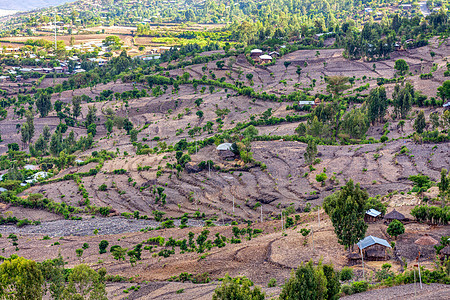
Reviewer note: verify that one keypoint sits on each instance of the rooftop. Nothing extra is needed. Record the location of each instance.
(224, 146)
(372, 240)
(373, 212)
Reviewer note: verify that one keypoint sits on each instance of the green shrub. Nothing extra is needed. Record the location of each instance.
(360, 286)
(272, 282)
(347, 289)
(346, 274)
(102, 246)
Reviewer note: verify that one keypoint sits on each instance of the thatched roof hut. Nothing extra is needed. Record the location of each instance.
(426, 240)
(394, 215)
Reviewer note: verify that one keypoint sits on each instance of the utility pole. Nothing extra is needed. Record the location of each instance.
(282, 225)
(362, 261)
(261, 214)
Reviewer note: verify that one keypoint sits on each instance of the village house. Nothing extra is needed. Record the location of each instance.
(394, 215)
(374, 248)
(372, 215)
(225, 151)
(256, 53)
(274, 54)
(265, 58)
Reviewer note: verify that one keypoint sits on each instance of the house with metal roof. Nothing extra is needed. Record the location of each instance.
(256, 52)
(372, 215)
(374, 248)
(225, 151)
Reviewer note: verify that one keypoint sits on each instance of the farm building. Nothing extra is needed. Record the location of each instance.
(265, 58)
(225, 152)
(372, 215)
(374, 248)
(274, 53)
(394, 215)
(256, 53)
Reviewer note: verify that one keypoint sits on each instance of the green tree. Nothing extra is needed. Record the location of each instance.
(54, 276)
(335, 85)
(76, 106)
(237, 288)
(444, 90)
(301, 129)
(109, 124)
(401, 66)
(133, 135)
(25, 134)
(44, 104)
(119, 253)
(298, 71)
(220, 64)
(346, 209)
(434, 118)
(41, 144)
(401, 123)
(419, 123)
(250, 132)
(287, 64)
(30, 122)
(355, 123)
(58, 105)
(199, 113)
(92, 129)
(444, 186)
(377, 104)
(85, 283)
(56, 143)
(20, 279)
(102, 246)
(46, 133)
(311, 152)
(403, 99)
(91, 116)
(127, 125)
(311, 282)
(395, 229)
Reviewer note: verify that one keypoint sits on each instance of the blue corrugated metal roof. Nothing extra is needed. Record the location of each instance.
(447, 104)
(373, 212)
(372, 240)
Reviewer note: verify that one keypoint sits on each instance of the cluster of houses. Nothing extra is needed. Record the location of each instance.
(258, 56)
(374, 248)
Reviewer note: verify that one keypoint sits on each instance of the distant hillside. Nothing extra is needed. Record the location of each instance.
(30, 4)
